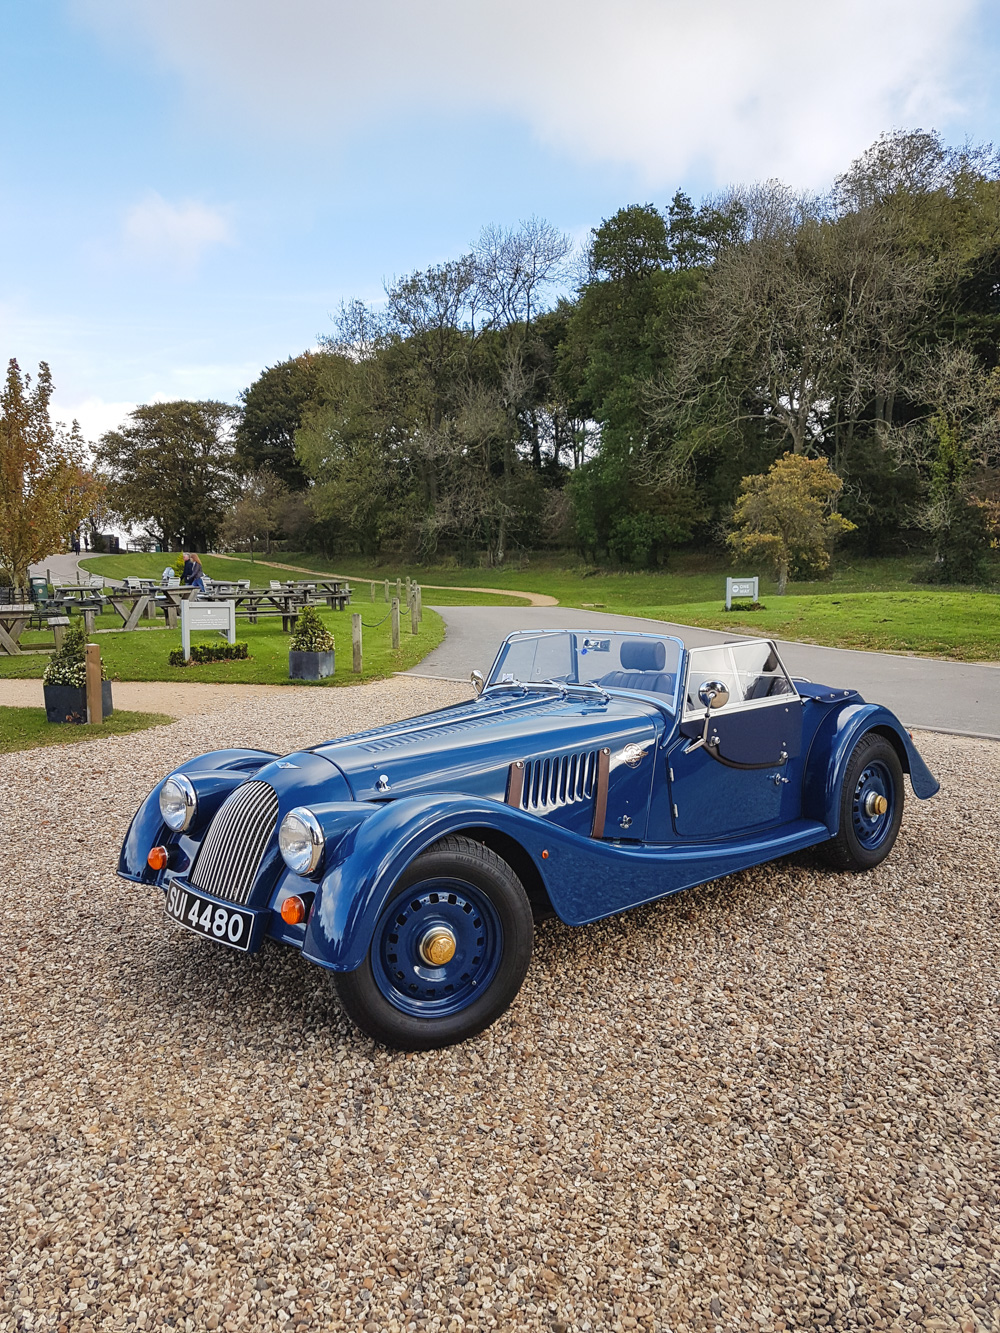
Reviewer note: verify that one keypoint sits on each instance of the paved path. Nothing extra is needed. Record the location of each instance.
(958, 697)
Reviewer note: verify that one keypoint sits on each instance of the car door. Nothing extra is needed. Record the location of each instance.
(747, 773)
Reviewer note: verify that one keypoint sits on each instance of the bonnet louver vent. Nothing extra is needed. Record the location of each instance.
(561, 780)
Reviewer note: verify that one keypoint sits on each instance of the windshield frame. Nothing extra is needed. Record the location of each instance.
(671, 705)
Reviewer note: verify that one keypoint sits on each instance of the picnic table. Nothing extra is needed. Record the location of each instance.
(172, 599)
(14, 619)
(334, 592)
(254, 602)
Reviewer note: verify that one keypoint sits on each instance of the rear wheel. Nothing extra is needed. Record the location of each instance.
(871, 805)
(448, 954)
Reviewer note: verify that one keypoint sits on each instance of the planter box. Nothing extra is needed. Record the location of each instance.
(68, 703)
(310, 666)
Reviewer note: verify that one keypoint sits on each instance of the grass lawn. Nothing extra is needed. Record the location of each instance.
(140, 565)
(871, 604)
(962, 626)
(142, 654)
(27, 729)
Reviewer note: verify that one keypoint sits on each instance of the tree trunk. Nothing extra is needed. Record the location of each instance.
(782, 577)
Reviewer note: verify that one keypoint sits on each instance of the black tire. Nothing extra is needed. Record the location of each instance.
(865, 838)
(464, 888)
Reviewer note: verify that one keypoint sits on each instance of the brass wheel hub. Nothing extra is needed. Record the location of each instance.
(438, 946)
(875, 804)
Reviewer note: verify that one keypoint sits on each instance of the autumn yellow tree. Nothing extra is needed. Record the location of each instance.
(46, 490)
(787, 515)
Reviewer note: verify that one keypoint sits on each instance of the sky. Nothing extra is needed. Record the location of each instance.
(190, 188)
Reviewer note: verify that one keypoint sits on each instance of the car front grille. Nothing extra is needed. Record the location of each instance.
(230, 856)
(561, 780)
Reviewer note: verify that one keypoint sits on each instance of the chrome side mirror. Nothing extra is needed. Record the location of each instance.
(713, 694)
(479, 683)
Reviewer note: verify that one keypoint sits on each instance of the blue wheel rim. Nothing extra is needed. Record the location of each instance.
(401, 973)
(871, 829)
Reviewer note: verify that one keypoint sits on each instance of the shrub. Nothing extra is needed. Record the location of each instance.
(211, 652)
(310, 634)
(68, 664)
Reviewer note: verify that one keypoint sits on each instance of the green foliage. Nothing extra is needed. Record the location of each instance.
(28, 729)
(787, 518)
(171, 469)
(68, 664)
(211, 652)
(45, 490)
(310, 634)
(272, 411)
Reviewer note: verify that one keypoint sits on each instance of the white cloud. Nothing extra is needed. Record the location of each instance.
(174, 235)
(729, 90)
(95, 415)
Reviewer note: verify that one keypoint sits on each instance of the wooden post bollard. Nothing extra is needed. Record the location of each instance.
(371, 589)
(408, 589)
(356, 640)
(420, 604)
(399, 590)
(387, 590)
(95, 703)
(413, 615)
(395, 622)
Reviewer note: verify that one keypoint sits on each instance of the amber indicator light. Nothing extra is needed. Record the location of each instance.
(293, 911)
(545, 856)
(157, 858)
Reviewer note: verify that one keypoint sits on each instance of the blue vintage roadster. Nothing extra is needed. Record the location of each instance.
(593, 771)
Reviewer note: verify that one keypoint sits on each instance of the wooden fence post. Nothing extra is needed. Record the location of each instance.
(408, 587)
(95, 701)
(356, 640)
(371, 589)
(399, 590)
(387, 590)
(420, 603)
(395, 622)
(413, 615)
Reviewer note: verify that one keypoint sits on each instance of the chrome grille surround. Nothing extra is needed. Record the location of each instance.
(230, 856)
(561, 780)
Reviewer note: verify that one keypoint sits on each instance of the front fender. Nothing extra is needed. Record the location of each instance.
(217, 772)
(831, 749)
(373, 850)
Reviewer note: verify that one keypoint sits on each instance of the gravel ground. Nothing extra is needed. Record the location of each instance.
(766, 1104)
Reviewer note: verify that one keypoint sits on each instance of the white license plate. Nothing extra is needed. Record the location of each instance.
(218, 922)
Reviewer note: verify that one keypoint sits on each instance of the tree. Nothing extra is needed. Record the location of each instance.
(272, 411)
(45, 490)
(172, 468)
(787, 516)
(257, 514)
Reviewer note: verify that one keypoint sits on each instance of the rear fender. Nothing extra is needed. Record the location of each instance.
(213, 776)
(831, 750)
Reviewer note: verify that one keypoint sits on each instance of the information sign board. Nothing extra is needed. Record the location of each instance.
(220, 616)
(744, 589)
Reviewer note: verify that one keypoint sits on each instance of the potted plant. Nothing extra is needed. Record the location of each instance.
(310, 655)
(64, 682)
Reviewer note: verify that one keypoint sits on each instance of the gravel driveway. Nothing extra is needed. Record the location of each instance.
(766, 1104)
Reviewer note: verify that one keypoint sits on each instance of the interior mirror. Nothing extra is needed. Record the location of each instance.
(714, 694)
(479, 684)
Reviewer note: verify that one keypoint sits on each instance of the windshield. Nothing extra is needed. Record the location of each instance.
(621, 661)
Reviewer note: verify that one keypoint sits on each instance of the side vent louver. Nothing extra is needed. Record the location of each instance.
(561, 780)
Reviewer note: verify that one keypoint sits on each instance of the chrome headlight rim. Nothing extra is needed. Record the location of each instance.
(309, 836)
(179, 818)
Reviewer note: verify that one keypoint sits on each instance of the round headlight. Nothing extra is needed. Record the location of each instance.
(178, 802)
(300, 839)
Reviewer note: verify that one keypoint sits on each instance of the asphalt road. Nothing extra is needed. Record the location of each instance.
(958, 697)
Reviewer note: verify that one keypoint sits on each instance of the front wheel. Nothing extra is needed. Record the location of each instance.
(871, 805)
(448, 954)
